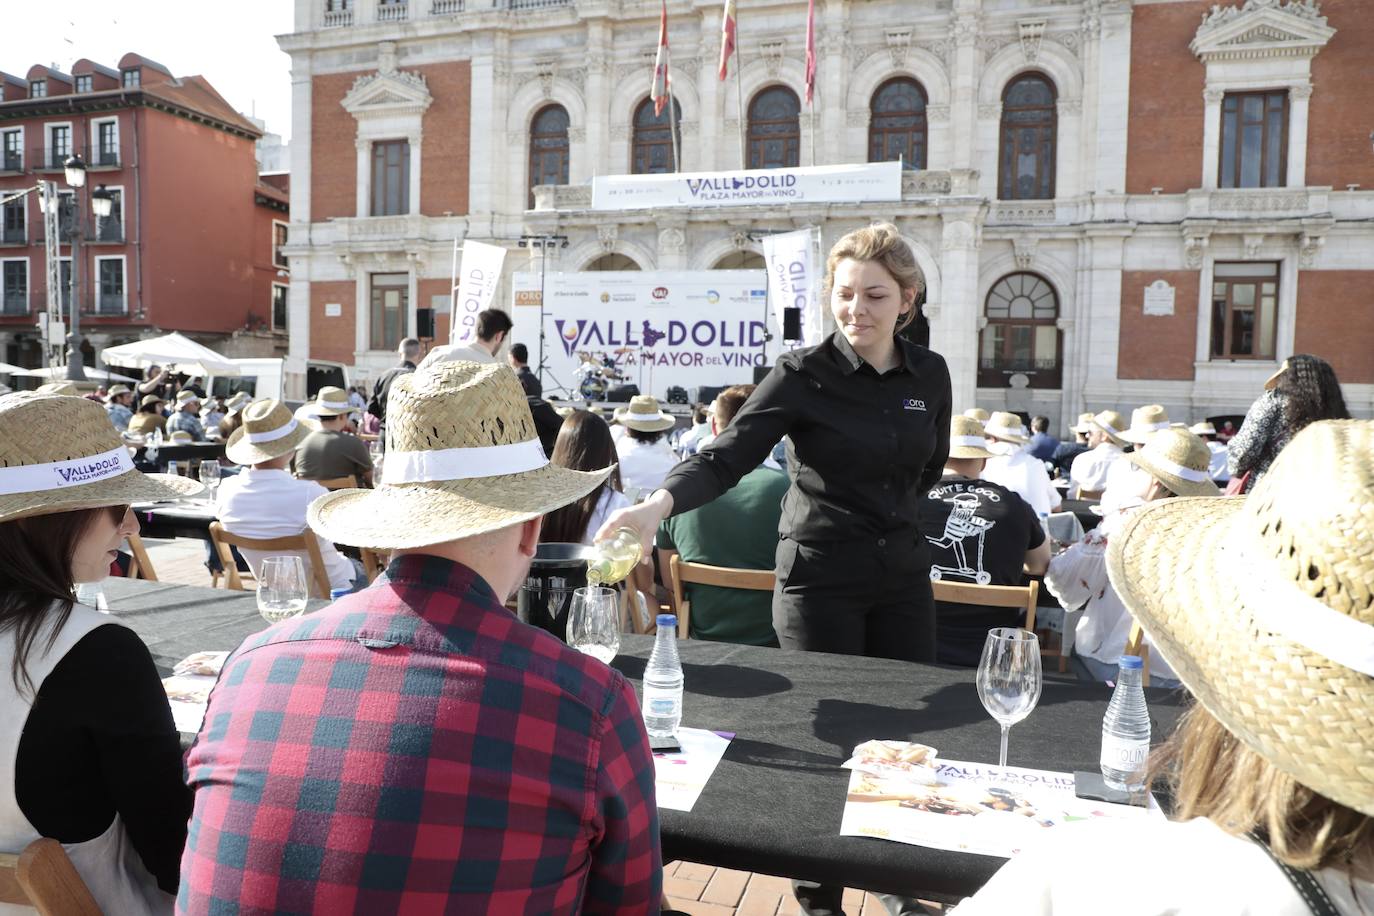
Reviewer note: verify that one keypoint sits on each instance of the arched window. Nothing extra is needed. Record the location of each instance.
(612, 261)
(774, 129)
(651, 150)
(548, 148)
(740, 260)
(1021, 336)
(1026, 157)
(897, 126)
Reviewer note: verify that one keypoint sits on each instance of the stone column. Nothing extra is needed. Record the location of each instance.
(597, 96)
(963, 78)
(954, 320)
(1298, 99)
(1100, 309)
(483, 129)
(709, 88)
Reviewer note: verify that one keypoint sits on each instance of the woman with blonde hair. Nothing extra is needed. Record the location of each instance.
(1265, 606)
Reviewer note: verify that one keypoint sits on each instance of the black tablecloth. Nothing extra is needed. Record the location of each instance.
(775, 802)
(173, 520)
(1082, 508)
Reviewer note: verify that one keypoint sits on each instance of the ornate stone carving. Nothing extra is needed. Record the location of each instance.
(937, 114)
(963, 30)
(1251, 242)
(545, 71)
(1032, 31)
(1299, 9)
(740, 239)
(1258, 202)
(386, 57)
(993, 110)
(627, 71)
(1309, 246)
(925, 183)
(1070, 107)
(898, 44)
(958, 236)
(1024, 213)
(597, 63)
(688, 66)
(772, 53)
(1194, 247)
(1069, 40)
(1213, 96)
(620, 131)
(942, 48)
(858, 117)
(671, 241)
(606, 235)
(687, 128)
(1261, 28)
(1023, 248)
(577, 134)
(1303, 91)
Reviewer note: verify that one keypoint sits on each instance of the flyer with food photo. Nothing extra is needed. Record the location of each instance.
(964, 806)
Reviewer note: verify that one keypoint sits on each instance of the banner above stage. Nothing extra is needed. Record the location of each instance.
(868, 181)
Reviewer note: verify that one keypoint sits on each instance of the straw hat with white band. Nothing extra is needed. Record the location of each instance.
(149, 400)
(967, 439)
(462, 458)
(63, 388)
(977, 413)
(1205, 428)
(186, 396)
(645, 415)
(1005, 427)
(1264, 606)
(1179, 460)
(61, 453)
(268, 431)
(1084, 425)
(1111, 422)
(180, 437)
(331, 402)
(1145, 422)
(240, 400)
(117, 390)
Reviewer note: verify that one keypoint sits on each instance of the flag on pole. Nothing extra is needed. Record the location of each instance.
(810, 49)
(727, 37)
(659, 91)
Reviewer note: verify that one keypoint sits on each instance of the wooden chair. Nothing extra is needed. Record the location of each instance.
(304, 542)
(1136, 645)
(761, 580)
(44, 878)
(349, 482)
(1022, 596)
(374, 561)
(140, 567)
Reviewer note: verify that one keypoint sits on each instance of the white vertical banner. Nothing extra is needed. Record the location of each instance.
(474, 287)
(791, 261)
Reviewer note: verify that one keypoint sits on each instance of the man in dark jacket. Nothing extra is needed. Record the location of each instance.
(409, 351)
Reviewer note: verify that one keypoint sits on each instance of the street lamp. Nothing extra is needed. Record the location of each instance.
(75, 171)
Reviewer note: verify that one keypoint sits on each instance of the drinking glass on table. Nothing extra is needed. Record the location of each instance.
(209, 477)
(594, 622)
(1009, 678)
(282, 590)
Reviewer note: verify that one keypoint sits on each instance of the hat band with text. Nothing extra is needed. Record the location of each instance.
(73, 472)
(463, 463)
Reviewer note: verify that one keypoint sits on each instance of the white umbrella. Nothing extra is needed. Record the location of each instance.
(59, 374)
(10, 368)
(180, 354)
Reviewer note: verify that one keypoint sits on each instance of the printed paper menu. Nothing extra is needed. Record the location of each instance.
(681, 777)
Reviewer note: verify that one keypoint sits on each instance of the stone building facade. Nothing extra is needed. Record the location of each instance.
(1113, 201)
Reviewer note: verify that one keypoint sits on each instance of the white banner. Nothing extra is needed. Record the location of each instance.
(791, 262)
(750, 187)
(655, 330)
(474, 288)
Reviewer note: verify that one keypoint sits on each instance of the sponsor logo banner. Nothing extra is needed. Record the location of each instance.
(792, 275)
(868, 181)
(474, 288)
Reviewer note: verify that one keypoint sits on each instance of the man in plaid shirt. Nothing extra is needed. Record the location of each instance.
(414, 747)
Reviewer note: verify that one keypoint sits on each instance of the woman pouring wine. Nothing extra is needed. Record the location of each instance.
(866, 415)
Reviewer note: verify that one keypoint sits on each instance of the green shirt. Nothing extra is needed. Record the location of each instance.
(328, 453)
(739, 530)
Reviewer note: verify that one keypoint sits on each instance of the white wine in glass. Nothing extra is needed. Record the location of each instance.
(282, 590)
(1009, 678)
(594, 622)
(613, 559)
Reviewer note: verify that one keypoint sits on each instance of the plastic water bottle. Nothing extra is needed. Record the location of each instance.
(172, 468)
(663, 682)
(1126, 731)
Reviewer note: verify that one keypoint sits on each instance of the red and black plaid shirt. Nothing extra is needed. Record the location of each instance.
(415, 748)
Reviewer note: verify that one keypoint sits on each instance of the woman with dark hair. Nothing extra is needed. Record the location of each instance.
(92, 758)
(149, 416)
(1304, 390)
(584, 444)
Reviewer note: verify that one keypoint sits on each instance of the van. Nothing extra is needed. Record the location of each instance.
(263, 378)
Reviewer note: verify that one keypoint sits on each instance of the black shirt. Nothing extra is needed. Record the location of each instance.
(383, 389)
(530, 382)
(100, 740)
(978, 532)
(1065, 454)
(861, 447)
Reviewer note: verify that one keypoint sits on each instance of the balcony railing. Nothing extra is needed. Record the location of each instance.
(12, 162)
(997, 372)
(13, 235)
(110, 304)
(48, 159)
(533, 4)
(393, 12)
(109, 230)
(14, 304)
(446, 7)
(102, 158)
(333, 19)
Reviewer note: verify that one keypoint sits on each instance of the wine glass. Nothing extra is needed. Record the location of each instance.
(594, 622)
(282, 588)
(209, 477)
(1009, 678)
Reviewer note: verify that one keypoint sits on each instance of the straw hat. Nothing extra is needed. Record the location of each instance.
(63, 388)
(331, 402)
(1180, 460)
(186, 396)
(180, 437)
(1145, 422)
(1272, 381)
(1264, 606)
(1112, 423)
(967, 439)
(240, 400)
(268, 431)
(462, 458)
(117, 390)
(61, 453)
(1005, 427)
(1205, 428)
(977, 413)
(645, 415)
(149, 400)
(1084, 425)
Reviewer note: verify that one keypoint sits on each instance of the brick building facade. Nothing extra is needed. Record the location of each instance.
(1113, 201)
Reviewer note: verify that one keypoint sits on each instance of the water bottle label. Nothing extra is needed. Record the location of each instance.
(661, 706)
(1124, 754)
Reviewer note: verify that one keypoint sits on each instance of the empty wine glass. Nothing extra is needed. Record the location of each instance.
(1009, 678)
(594, 622)
(209, 477)
(282, 590)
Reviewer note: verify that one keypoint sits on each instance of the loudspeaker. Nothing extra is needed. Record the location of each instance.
(791, 324)
(707, 393)
(677, 395)
(424, 324)
(622, 393)
(760, 372)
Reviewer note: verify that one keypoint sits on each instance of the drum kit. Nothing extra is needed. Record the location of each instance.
(594, 378)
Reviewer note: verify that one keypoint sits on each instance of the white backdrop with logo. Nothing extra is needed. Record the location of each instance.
(660, 328)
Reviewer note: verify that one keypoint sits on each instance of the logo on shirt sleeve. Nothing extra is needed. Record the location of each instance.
(913, 404)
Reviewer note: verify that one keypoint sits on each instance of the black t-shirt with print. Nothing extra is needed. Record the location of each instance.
(978, 532)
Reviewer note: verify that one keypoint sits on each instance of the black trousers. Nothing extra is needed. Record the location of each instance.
(868, 597)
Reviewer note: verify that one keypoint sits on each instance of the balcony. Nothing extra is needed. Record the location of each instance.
(997, 371)
(533, 4)
(110, 304)
(13, 161)
(46, 160)
(14, 303)
(1262, 204)
(108, 231)
(334, 19)
(98, 158)
(393, 12)
(13, 235)
(446, 7)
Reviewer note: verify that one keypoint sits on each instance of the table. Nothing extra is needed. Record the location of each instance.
(181, 454)
(181, 519)
(1083, 509)
(775, 802)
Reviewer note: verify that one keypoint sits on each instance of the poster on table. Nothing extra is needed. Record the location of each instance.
(652, 329)
(971, 807)
(855, 183)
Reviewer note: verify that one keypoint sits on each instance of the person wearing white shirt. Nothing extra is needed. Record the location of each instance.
(1145, 422)
(265, 501)
(645, 458)
(493, 327)
(1014, 468)
(1088, 473)
(1208, 433)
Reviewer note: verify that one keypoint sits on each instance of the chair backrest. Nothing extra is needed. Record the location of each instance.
(140, 567)
(1136, 645)
(304, 542)
(44, 878)
(348, 482)
(374, 561)
(1022, 596)
(683, 572)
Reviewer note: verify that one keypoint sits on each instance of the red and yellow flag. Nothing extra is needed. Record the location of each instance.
(659, 91)
(810, 50)
(727, 37)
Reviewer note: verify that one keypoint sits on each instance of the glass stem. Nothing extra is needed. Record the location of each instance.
(1002, 756)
